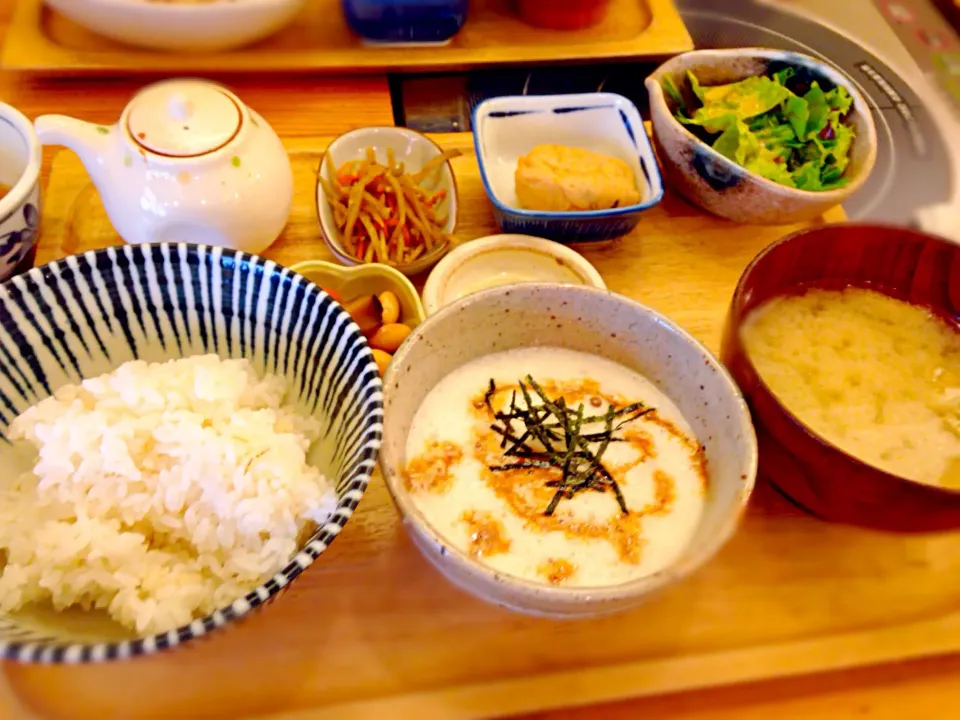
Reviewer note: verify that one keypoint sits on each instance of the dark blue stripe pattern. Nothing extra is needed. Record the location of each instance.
(85, 315)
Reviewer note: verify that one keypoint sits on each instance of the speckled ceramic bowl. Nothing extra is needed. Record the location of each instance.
(721, 186)
(589, 320)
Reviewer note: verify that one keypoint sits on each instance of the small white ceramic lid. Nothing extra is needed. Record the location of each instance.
(505, 260)
(183, 118)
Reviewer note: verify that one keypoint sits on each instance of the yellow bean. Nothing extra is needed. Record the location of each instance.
(365, 311)
(382, 359)
(389, 337)
(391, 307)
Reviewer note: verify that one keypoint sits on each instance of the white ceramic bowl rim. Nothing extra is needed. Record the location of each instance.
(824, 67)
(491, 244)
(640, 138)
(319, 196)
(649, 583)
(31, 173)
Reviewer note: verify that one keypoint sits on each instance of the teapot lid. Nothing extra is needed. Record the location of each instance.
(183, 118)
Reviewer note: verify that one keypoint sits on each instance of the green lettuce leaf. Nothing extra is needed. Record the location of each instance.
(811, 151)
(819, 110)
(832, 178)
(760, 124)
(767, 121)
(747, 98)
(779, 135)
(736, 142)
(769, 168)
(784, 75)
(695, 85)
(839, 99)
(796, 111)
(807, 177)
(843, 142)
(670, 88)
(713, 123)
(745, 148)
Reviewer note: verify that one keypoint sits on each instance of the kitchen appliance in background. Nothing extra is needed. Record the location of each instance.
(918, 98)
(902, 54)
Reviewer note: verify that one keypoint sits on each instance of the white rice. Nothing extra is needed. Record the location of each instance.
(161, 492)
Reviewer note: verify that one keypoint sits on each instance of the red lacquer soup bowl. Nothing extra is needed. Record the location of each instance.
(830, 483)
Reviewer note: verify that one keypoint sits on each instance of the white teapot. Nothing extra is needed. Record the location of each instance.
(186, 162)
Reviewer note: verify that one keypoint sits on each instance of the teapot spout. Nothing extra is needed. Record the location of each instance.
(91, 142)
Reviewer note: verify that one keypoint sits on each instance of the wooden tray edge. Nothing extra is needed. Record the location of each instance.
(639, 678)
(666, 35)
(24, 35)
(646, 678)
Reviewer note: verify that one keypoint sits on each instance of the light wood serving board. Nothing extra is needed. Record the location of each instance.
(373, 632)
(318, 40)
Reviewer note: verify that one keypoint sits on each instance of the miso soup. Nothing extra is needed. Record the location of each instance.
(875, 376)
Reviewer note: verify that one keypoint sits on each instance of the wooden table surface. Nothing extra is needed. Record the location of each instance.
(316, 106)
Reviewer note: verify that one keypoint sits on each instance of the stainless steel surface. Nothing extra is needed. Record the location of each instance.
(913, 170)
(919, 154)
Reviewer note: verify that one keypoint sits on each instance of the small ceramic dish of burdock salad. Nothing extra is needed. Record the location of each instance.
(563, 450)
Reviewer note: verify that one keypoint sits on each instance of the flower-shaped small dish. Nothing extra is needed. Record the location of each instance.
(505, 260)
(347, 283)
(410, 149)
(20, 159)
(507, 128)
(719, 185)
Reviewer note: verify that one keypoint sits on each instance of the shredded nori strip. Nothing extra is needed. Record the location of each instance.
(558, 429)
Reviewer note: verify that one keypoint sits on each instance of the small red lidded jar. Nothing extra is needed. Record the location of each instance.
(562, 14)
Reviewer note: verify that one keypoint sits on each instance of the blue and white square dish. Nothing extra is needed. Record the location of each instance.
(506, 128)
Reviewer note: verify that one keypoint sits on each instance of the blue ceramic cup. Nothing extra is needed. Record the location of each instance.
(406, 21)
(20, 158)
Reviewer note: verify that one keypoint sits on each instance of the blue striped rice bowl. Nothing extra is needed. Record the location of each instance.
(84, 316)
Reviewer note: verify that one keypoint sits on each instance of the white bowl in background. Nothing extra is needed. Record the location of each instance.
(181, 26)
(504, 260)
(20, 159)
(592, 321)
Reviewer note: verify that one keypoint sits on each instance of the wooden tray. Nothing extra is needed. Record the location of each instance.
(319, 40)
(372, 631)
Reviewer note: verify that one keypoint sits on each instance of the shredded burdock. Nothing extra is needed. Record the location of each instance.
(385, 214)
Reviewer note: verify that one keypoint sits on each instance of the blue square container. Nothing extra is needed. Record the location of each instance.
(505, 128)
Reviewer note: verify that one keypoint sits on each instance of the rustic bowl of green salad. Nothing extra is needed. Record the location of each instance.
(760, 136)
